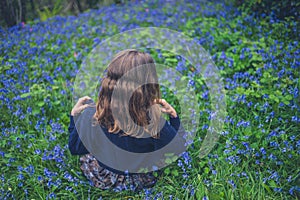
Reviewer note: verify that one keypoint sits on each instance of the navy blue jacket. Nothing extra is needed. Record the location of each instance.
(129, 143)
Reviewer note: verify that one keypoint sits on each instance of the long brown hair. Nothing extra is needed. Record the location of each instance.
(143, 113)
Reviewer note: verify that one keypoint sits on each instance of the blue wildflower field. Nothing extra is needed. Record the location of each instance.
(258, 153)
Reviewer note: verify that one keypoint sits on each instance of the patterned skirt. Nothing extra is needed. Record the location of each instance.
(105, 179)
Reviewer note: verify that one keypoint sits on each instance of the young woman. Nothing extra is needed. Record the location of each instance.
(142, 112)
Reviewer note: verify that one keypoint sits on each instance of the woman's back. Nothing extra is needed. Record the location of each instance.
(125, 128)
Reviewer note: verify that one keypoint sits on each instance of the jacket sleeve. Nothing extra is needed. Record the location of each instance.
(175, 122)
(168, 133)
(76, 146)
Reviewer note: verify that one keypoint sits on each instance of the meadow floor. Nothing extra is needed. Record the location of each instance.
(257, 155)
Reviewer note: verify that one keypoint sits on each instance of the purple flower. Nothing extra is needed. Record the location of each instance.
(231, 182)
(293, 189)
(263, 151)
(51, 196)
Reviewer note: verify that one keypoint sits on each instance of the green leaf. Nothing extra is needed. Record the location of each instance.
(35, 111)
(288, 97)
(171, 60)
(240, 90)
(206, 170)
(41, 104)
(273, 184)
(175, 172)
(4, 68)
(166, 54)
(267, 187)
(24, 95)
(286, 102)
(214, 196)
(56, 103)
(167, 171)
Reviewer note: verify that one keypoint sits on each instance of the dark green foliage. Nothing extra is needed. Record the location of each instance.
(281, 9)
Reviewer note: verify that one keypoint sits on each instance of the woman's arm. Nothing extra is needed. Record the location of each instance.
(169, 130)
(168, 109)
(76, 146)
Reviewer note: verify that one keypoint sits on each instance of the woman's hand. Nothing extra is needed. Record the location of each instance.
(166, 108)
(80, 105)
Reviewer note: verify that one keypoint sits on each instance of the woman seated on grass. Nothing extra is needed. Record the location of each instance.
(144, 112)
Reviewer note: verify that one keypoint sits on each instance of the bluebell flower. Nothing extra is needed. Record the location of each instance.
(39, 178)
(191, 83)
(205, 198)
(181, 66)
(293, 189)
(51, 196)
(277, 189)
(231, 182)
(20, 177)
(37, 151)
(272, 157)
(263, 151)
